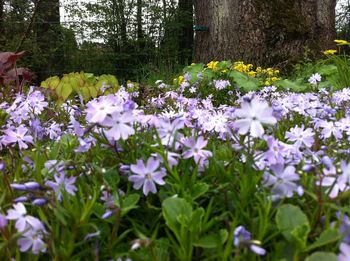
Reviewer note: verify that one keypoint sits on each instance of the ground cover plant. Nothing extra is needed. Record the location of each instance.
(215, 166)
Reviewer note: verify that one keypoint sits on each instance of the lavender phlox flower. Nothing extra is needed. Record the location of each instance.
(54, 130)
(344, 227)
(36, 102)
(216, 121)
(315, 78)
(23, 221)
(3, 221)
(301, 136)
(92, 235)
(39, 201)
(344, 254)
(85, 144)
(98, 109)
(32, 239)
(121, 126)
(194, 148)
(36, 129)
(283, 181)
(147, 175)
(253, 114)
(242, 238)
(334, 182)
(276, 152)
(62, 183)
(172, 158)
(17, 136)
(168, 132)
(329, 128)
(221, 84)
(55, 166)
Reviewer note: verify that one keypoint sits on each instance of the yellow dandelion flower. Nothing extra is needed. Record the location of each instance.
(180, 79)
(341, 42)
(252, 73)
(330, 52)
(273, 79)
(212, 65)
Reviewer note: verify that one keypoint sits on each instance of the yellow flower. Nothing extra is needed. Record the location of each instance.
(180, 79)
(252, 73)
(341, 42)
(330, 52)
(212, 65)
(274, 79)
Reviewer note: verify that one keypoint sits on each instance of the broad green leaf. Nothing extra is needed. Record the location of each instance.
(322, 256)
(199, 189)
(293, 224)
(213, 240)
(328, 236)
(289, 85)
(174, 209)
(129, 203)
(328, 69)
(196, 221)
(244, 81)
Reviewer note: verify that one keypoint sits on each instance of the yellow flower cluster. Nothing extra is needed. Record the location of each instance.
(213, 65)
(341, 42)
(330, 52)
(266, 76)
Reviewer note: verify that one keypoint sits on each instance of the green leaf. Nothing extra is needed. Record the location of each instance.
(175, 210)
(289, 85)
(199, 189)
(129, 203)
(197, 219)
(213, 240)
(328, 236)
(244, 81)
(322, 256)
(327, 69)
(112, 178)
(293, 224)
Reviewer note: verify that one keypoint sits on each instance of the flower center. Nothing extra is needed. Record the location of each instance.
(148, 176)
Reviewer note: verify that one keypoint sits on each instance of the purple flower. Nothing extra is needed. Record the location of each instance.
(344, 252)
(315, 78)
(221, 84)
(282, 181)
(242, 238)
(301, 136)
(33, 240)
(147, 176)
(17, 136)
(195, 149)
(120, 126)
(23, 221)
(3, 221)
(98, 109)
(62, 184)
(277, 151)
(252, 115)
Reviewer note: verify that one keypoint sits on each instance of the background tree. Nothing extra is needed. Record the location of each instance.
(263, 32)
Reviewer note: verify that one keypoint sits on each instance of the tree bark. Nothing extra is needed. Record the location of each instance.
(263, 32)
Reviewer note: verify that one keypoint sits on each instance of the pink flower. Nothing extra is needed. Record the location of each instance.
(147, 176)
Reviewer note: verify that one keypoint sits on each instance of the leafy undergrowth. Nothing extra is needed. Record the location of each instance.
(188, 175)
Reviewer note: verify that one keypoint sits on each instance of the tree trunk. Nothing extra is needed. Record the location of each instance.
(185, 12)
(263, 32)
